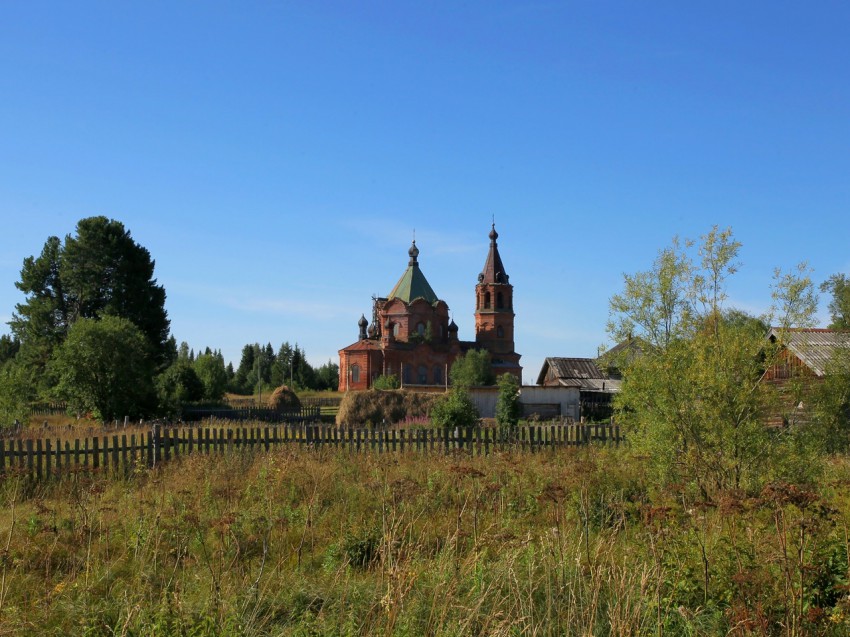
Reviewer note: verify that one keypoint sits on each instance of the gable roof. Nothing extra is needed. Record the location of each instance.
(815, 347)
(577, 372)
(569, 369)
(622, 354)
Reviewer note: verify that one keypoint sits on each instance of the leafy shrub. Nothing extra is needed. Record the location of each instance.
(472, 369)
(388, 381)
(363, 549)
(507, 406)
(178, 385)
(455, 409)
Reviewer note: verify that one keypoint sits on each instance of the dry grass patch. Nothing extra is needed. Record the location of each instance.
(299, 542)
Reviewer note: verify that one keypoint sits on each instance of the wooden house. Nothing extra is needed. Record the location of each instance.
(806, 352)
(596, 389)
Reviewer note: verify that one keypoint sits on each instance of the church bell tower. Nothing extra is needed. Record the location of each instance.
(494, 312)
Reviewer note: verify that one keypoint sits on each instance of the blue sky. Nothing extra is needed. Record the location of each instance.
(275, 158)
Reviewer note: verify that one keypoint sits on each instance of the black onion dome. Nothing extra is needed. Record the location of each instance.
(413, 253)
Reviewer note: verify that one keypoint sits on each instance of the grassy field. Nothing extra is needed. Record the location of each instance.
(291, 542)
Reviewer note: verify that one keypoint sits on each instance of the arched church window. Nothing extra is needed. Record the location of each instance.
(355, 373)
(406, 374)
(499, 302)
(395, 329)
(422, 374)
(420, 329)
(487, 300)
(438, 375)
(500, 332)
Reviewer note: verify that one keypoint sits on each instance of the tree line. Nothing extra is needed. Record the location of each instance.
(260, 367)
(93, 331)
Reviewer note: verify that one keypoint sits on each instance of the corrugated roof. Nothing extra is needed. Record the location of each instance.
(631, 347)
(591, 384)
(814, 346)
(570, 368)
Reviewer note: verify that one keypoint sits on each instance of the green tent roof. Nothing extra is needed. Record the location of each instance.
(412, 284)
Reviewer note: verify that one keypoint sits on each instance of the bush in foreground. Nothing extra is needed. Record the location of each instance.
(454, 409)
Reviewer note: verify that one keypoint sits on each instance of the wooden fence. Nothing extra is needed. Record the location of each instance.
(46, 458)
(48, 409)
(303, 415)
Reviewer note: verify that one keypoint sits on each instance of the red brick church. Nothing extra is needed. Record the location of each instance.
(412, 337)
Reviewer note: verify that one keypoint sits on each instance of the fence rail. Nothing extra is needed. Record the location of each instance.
(46, 458)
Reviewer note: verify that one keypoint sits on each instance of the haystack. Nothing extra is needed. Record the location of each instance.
(378, 406)
(284, 400)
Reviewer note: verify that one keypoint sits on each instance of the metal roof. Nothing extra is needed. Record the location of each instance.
(494, 270)
(413, 284)
(570, 368)
(592, 384)
(815, 347)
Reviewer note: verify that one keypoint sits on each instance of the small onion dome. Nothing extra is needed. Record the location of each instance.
(362, 322)
(493, 234)
(453, 326)
(413, 253)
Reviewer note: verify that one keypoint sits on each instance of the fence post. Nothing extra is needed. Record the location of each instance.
(155, 446)
(115, 456)
(38, 462)
(59, 459)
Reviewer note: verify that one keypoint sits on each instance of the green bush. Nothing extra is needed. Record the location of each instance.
(386, 381)
(508, 408)
(472, 370)
(454, 409)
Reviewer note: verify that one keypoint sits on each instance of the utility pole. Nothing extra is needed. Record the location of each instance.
(259, 379)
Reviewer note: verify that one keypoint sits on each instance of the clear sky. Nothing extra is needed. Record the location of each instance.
(275, 158)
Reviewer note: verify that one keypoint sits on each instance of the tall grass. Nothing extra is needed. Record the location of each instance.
(296, 542)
